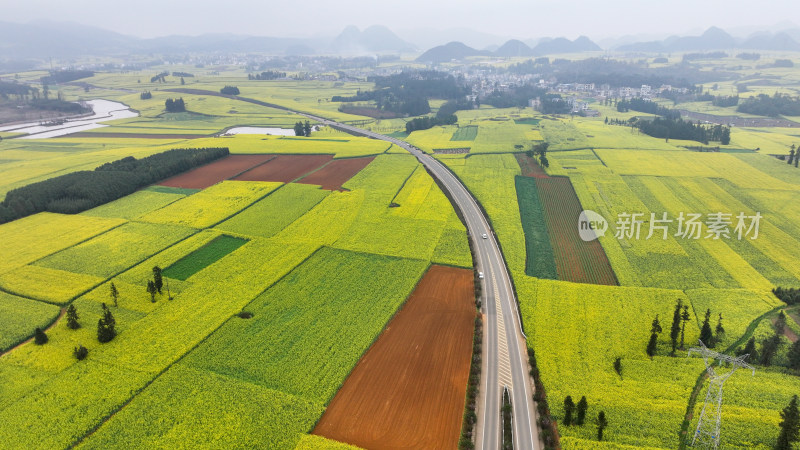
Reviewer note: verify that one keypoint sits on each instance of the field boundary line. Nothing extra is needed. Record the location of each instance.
(179, 359)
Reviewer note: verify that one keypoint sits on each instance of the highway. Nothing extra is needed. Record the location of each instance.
(505, 355)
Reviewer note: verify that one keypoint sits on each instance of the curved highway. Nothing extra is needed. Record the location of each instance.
(505, 356)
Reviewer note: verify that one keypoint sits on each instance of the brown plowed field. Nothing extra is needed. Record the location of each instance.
(337, 172)
(285, 168)
(529, 166)
(576, 260)
(212, 173)
(408, 389)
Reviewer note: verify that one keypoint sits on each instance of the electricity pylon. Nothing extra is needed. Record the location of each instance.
(707, 433)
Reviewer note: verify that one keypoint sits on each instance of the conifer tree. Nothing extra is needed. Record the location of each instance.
(583, 405)
(72, 318)
(569, 405)
(676, 326)
(684, 318)
(151, 289)
(720, 330)
(114, 294)
(602, 423)
(106, 326)
(39, 338)
(790, 426)
(794, 355)
(706, 335)
(158, 281)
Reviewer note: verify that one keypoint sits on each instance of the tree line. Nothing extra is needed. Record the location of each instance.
(65, 76)
(778, 104)
(183, 74)
(646, 106)
(229, 90)
(78, 191)
(302, 129)
(174, 105)
(407, 93)
(266, 75)
(161, 77)
(666, 128)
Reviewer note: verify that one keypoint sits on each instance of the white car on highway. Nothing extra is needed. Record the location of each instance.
(485, 236)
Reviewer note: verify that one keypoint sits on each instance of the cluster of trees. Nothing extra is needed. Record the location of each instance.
(790, 296)
(146, 95)
(686, 130)
(680, 316)
(106, 330)
(617, 73)
(708, 55)
(54, 104)
(407, 93)
(267, 75)
(794, 156)
(647, 106)
(79, 191)
(302, 129)
(778, 104)
(65, 76)
(749, 56)
(580, 415)
(155, 285)
(175, 105)
(183, 74)
(725, 100)
(539, 150)
(161, 77)
(423, 123)
(790, 426)
(16, 89)
(784, 63)
(229, 90)
(514, 97)
(770, 346)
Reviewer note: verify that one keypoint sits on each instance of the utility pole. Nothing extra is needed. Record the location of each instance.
(707, 433)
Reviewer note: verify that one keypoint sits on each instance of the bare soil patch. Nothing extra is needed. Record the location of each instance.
(210, 174)
(408, 390)
(336, 173)
(285, 168)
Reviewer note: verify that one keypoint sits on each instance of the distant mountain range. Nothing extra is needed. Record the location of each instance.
(513, 47)
(716, 39)
(62, 41)
(68, 40)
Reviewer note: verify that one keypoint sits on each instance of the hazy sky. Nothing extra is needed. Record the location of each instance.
(516, 18)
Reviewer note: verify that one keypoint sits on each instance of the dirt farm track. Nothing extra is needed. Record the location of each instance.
(408, 389)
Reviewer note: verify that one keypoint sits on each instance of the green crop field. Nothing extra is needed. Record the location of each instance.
(269, 216)
(203, 257)
(335, 297)
(18, 317)
(465, 134)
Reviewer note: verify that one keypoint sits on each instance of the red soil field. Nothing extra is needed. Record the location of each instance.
(285, 168)
(529, 166)
(336, 172)
(212, 173)
(576, 260)
(409, 388)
